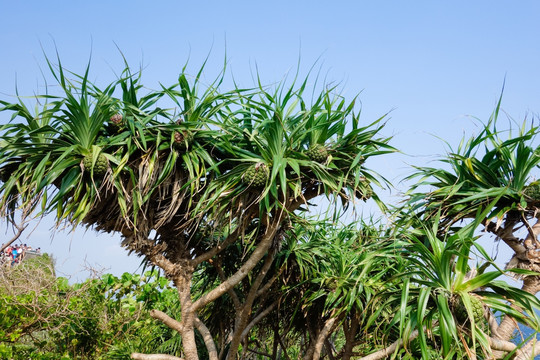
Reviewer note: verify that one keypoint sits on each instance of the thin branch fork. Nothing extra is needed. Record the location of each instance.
(270, 282)
(20, 230)
(315, 348)
(228, 241)
(283, 347)
(244, 270)
(244, 312)
(255, 257)
(260, 353)
(506, 234)
(258, 318)
(533, 232)
(328, 328)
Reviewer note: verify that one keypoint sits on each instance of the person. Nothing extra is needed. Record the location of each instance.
(14, 253)
(21, 251)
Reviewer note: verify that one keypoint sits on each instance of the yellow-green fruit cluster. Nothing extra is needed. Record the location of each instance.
(317, 153)
(477, 310)
(182, 140)
(256, 175)
(99, 168)
(532, 191)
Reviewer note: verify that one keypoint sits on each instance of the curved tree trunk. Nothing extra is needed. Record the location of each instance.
(244, 313)
(183, 284)
(508, 325)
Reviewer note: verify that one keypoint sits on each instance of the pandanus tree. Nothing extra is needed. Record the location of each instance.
(183, 186)
(337, 278)
(323, 300)
(489, 184)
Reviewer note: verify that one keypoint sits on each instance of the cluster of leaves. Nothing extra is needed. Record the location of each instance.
(223, 134)
(483, 168)
(44, 317)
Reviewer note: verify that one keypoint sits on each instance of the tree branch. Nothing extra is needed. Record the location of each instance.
(244, 270)
(506, 234)
(495, 344)
(506, 346)
(231, 291)
(258, 318)
(243, 313)
(283, 347)
(207, 337)
(394, 346)
(322, 337)
(260, 353)
(315, 347)
(20, 230)
(269, 283)
(229, 240)
(138, 356)
(167, 320)
(530, 350)
(493, 325)
(506, 328)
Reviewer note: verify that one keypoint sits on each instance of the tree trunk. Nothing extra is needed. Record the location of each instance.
(317, 343)
(243, 315)
(208, 340)
(508, 325)
(349, 328)
(275, 344)
(183, 283)
(327, 329)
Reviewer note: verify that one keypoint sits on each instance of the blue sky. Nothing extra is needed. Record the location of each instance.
(431, 64)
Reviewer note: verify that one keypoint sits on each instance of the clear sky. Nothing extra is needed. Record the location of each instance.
(430, 63)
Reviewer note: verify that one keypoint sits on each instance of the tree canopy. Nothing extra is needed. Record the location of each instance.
(215, 188)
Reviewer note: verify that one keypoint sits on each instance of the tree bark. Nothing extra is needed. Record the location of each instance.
(208, 340)
(258, 318)
(183, 284)
(242, 317)
(166, 319)
(244, 270)
(138, 356)
(275, 343)
(394, 346)
(20, 230)
(349, 329)
(314, 350)
(327, 329)
(529, 351)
